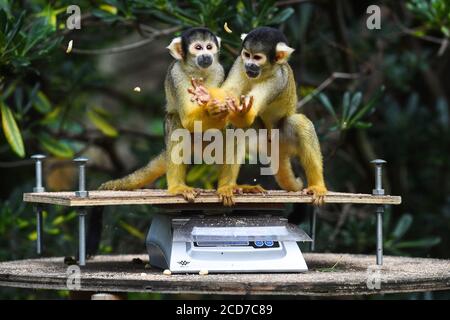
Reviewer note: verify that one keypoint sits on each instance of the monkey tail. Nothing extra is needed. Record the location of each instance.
(141, 177)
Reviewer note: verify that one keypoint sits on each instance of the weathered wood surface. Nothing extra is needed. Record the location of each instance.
(161, 197)
(350, 276)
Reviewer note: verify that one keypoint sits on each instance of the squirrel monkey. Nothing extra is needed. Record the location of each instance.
(196, 54)
(263, 83)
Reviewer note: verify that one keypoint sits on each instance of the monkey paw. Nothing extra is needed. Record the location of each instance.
(187, 192)
(216, 109)
(318, 193)
(246, 188)
(226, 195)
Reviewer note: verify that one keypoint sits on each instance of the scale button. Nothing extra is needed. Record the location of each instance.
(268, 243)
(259, 243)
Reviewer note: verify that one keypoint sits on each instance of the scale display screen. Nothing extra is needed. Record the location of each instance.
(255, 244)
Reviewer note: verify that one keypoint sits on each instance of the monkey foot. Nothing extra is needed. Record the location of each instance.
(247, 188)
(318, 192)
(187, 192)
(226, 195)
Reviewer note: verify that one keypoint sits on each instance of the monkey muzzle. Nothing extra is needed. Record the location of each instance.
(204, 60)
(252, 70)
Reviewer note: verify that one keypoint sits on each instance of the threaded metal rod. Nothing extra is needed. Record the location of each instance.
(313, 229)
(39, 230)
(380, 212)
(82, 237)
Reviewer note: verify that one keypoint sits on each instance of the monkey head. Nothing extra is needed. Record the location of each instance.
(263, 48)
(198, 47)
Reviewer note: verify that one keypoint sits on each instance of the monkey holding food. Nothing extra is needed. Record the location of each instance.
(263, 83)
(197, 55)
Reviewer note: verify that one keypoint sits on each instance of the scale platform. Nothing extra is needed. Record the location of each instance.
(225, 244)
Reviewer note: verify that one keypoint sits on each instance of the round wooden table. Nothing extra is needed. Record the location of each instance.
(329, 275)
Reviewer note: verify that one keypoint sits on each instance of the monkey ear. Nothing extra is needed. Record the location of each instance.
(175, 48)
(243, 36)
(219, 41)
(283, 52)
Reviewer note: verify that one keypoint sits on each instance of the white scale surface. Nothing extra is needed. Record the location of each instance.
(226, 244)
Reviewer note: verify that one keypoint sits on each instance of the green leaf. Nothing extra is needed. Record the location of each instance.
(11, 130)
(345, 105)
(354, 104)
(363, 125)
(327, 104)
(132, 230)
(42, 104)
(403, 225)
(367, 107)
(282, 16)
(422, 243)
(104, 126)
(55, 147)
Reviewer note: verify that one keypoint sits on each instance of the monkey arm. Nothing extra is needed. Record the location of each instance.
(263, 93)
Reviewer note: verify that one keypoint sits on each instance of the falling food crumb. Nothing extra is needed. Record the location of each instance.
(69, 47)
(167, 272)
(227, 29)
(137, 89)
(203, 272)
(254, 180)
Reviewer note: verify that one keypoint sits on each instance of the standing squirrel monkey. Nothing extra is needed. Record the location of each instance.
(261, 85)
(196, 54)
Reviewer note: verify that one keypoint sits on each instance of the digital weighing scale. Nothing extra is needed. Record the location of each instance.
(225, 244)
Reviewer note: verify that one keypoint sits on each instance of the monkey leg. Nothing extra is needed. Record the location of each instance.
(141, 177)
(176, 172)
(227, 183)
(308, 150)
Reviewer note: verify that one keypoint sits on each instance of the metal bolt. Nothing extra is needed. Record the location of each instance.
(38, 164)
(378, 177)
(82, 193)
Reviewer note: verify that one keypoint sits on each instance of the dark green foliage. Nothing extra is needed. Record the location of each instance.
(394, 105)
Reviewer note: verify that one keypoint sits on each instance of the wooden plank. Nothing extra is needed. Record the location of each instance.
(352, 275)
(161, 197)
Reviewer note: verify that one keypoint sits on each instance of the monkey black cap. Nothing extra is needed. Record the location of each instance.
(192, 34)
(264, 39)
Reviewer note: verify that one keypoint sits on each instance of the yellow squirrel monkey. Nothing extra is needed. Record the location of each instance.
(263, 83)
(196, 54)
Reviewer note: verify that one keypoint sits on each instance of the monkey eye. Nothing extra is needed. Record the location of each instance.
(246, 54)
(257, 57)
(198, 47)
(209, 47)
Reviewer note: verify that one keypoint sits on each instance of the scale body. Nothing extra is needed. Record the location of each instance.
(225, 244)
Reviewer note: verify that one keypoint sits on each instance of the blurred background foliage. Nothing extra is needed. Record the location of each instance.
(371, 93)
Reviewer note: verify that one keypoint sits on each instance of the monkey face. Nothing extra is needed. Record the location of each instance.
(203, 52)
(263, 48)
(253, 62)
(198, 47)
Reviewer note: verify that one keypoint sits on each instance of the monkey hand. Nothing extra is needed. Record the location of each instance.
(199, 92)
(318, 193)
(188, 193)
(242, 115)
(216, 109)
(245, 104)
